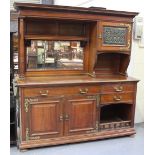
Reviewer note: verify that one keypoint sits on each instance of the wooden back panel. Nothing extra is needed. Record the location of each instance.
(54, 27)
(107, 63)
(112, 63)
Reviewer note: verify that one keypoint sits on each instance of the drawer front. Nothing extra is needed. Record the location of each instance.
(50, 91)
(118, 87)
(117, 98)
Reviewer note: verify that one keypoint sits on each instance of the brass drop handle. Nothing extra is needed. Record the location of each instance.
(61, 117)
(100, 36)
(85, 91)
(44, 93)
(66, 117)
(117, 98)
(118, 89)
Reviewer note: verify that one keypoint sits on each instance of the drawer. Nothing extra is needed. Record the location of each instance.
(52, 91)
(117, 98)
(118, 87)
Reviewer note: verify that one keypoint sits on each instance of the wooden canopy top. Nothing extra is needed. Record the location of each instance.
(91, 10)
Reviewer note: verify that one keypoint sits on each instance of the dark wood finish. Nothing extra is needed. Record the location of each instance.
(93, 44)
(79, 138)
(115, 125)
(51, 37)
(65, 12)
(117, 98)
(21, 54)
(41, 27)
(44, 118)
(55, 28)
(107, 63)
(71, 10)
(49, 91)
(115, 113)
(66, 106)
(45, 23)
(84, 80)
(112, 63)
(114, 47)
(81, 112)
(118, 88)
(124, 63)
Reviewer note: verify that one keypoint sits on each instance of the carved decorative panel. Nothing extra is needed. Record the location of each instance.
(114, 35)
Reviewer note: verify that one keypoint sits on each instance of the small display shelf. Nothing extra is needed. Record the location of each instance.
(115, 116)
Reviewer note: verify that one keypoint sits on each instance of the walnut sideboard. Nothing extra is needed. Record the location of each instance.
(73, 84)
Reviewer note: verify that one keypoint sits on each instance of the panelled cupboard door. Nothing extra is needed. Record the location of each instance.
(43, 117)
(81, 115)
(114, 36)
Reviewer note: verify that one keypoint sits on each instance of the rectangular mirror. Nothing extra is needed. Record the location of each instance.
(55, 55)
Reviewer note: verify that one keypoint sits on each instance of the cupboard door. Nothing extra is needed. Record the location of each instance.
(81, 115)
(44, 118)
(114, 36)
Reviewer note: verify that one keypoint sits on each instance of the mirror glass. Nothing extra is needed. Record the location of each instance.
(57, 55)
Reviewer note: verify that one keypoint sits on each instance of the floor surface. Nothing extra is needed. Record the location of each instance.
(116, 146)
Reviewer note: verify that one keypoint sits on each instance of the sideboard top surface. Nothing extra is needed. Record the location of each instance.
(72, 80)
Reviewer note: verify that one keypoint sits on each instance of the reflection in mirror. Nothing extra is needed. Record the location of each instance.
(63, 55)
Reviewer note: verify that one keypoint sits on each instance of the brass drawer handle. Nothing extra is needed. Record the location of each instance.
(85, 91)
(118, 89)
(44, 93)
(66, 117)
(117, 98)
